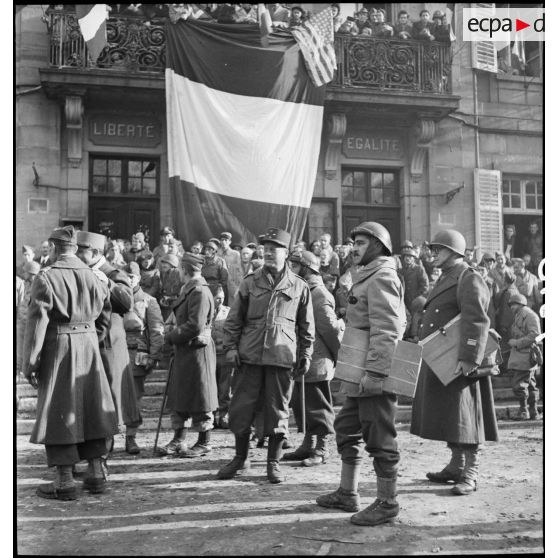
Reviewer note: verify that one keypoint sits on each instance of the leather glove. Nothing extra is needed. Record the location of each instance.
(371, 384)
(33, 379)
(465, 368)
(232, 357)
(302, 368)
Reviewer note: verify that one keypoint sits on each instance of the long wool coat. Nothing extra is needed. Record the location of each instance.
(114, 349)
(463, 411)
(193, 387)
(74, 398)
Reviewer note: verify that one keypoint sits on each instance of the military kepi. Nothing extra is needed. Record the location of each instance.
(277, 236)
(63, 235)
(91, 240)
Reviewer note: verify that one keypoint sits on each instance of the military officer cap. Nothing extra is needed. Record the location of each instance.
(276, 236)
(92, 240)
(170, 259)
(517, 298)
(226, 235)
(212, 244)
(194, 260)
(213, 239)
(132, 269)
(166, 230)
(32, 267)
(65, 235)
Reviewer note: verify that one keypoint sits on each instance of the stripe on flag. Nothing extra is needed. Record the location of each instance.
(315, 38)
(92, 23)
(244, 131)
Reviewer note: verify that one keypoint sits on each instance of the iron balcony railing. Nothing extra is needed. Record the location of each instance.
(137, 45)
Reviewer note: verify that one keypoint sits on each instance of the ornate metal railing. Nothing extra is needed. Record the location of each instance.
(137, 45)
(393, 65)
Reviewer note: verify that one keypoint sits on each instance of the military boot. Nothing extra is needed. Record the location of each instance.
(522, 413)
(201, 447)
(63, 487)
(95, 481)
(452, 471)
(131, 446)
(469, 478)
(384, 509)
(303, 451)
(319, 453)
(346, 497)
(175, 445)
(240, 463)
(274, 449)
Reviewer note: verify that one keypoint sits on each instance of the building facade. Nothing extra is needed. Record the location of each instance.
(418, 136)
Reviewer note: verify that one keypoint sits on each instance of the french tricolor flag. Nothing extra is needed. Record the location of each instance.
(244, 126)
(92, 23)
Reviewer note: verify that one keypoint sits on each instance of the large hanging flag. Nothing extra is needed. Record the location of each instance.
(244, 129)
(92, 19)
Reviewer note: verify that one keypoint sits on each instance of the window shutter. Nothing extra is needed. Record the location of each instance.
(484, 52)
(488, 210)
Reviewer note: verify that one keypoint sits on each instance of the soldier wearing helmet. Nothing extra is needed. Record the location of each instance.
(318, 399)
(368, 414)
(461, 413)
(524, 330)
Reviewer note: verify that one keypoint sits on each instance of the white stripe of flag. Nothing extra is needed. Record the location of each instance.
(90, 23)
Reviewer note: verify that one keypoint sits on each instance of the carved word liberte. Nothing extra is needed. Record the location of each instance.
(123, 130)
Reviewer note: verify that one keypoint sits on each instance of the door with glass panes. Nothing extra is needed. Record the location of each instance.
(371, 195)
(124, 196)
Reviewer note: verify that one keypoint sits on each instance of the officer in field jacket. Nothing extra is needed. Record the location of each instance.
(376, 304)
(270, 316)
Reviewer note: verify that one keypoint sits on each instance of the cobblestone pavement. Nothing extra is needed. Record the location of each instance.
(171, 506)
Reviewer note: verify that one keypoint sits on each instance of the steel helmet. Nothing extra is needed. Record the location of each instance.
(451, 239)
(517, 298)
(371, 228)
(308, 259)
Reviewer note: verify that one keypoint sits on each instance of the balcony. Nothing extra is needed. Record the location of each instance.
(370, 70)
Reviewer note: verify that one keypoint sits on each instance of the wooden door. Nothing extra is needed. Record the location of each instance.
(388, 217)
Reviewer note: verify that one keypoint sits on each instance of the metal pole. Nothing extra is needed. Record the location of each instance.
(303, 404)
(171, 366)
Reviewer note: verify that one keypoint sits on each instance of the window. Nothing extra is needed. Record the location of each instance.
(135, 176)
(370, 187)
(522, 195)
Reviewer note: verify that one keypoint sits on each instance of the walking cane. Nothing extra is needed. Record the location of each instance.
(171, 366)
(303, 402)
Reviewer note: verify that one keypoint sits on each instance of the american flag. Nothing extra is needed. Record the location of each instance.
(315, 39)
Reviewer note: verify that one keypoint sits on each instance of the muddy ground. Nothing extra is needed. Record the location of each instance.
(171, 506)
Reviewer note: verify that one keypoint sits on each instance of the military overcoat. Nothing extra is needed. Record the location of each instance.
(525, 328)
(463, 411)
(193, 386)
(69, 313)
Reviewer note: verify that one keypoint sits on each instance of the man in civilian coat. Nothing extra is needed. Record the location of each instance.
(461, 413)
(192, 386)
(270, 324)
(114, 349)
(367, 418)
(44, 259)
(69, 313)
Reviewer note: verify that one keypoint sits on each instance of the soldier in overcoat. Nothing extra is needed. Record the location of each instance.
(319, 414)
(192, 385)
(367, 418)
(461, 413)
(270, 325)
(68, 314)
(114, 350)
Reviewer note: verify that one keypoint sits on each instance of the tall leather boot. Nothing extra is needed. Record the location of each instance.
(452, 471)
(303, 451)
(274, 449)
(469, 477)
(201, 447)
(384, 509)
(346, 497)
(319, 453)
(522, 414)
(240, 463)
(63, 487)
(95, 481)
(175, 445)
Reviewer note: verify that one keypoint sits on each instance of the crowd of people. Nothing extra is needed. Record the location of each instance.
(245, 328)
